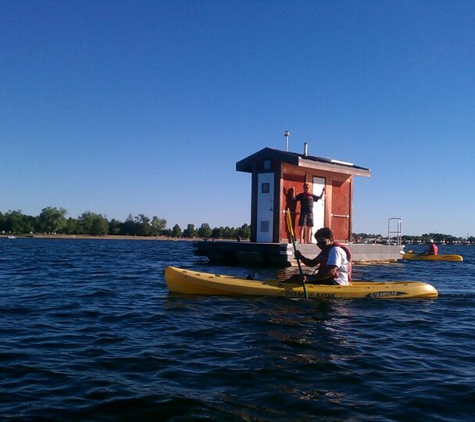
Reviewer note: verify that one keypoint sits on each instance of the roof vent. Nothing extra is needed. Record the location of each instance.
(305, 149)
(286, 135)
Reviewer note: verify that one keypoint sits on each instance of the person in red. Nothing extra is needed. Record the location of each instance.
(306, 211)
(433, 249)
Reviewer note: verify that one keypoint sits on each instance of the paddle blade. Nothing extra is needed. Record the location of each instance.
(289, 223)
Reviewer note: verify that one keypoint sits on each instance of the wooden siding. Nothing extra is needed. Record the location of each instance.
(341, 209)
(290, 181)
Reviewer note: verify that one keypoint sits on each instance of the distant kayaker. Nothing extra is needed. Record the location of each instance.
(333, 263)
(432, 249)
(306, 211)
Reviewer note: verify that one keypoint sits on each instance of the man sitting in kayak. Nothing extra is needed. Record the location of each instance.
(433, 249)
(333, 262)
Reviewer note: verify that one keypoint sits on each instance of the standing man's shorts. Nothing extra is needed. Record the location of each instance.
(306, 220)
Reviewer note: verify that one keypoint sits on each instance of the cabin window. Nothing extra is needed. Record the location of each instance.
(267, 165)
(264, 226)
(265, 188)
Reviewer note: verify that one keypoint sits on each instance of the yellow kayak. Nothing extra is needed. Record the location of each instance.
(442, 257)
(192, 282)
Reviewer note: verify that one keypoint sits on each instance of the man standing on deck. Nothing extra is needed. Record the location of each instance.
(306, 211)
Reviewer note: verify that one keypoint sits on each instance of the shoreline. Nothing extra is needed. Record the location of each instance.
(107, 237)
(114, 237)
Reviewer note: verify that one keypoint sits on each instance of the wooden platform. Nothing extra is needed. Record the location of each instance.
(282, 255)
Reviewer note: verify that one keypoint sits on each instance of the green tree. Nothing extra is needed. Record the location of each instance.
(115, 227)
(205, 231)
(176, 231)
(72, 226)
(17, 222)
(85, 222)
(52, 219)
(229, 233)
(158, 224)
(167, 232)
(129, 226)
(142, 225)
(94, 224)
(244, 232)
(100, 226)
(190, 231)
(217, 233)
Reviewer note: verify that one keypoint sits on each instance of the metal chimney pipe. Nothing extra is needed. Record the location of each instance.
(305, 149)
(287, 134)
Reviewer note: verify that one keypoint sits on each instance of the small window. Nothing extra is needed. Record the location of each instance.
(267, 165)
(265, 226)
(265, 188)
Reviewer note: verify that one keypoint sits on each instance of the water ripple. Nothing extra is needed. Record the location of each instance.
(89, 332)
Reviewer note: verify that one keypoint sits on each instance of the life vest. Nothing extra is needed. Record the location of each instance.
(323, 256)
(433, 249)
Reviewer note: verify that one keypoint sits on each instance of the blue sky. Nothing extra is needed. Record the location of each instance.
(128, 107)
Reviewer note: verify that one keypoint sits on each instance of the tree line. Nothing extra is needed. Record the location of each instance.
(53, 220)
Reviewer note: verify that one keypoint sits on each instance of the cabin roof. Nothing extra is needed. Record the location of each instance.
(301, 160)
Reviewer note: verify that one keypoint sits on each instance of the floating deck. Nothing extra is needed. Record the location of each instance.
(282, 254)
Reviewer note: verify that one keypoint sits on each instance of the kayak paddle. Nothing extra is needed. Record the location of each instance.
(292, 237)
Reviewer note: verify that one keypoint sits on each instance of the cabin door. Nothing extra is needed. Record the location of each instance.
(265, 207)
(319, 206)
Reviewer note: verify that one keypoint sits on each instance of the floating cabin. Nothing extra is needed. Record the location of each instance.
(275, 173)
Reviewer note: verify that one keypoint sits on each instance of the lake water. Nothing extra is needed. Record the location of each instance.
(89, 332)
